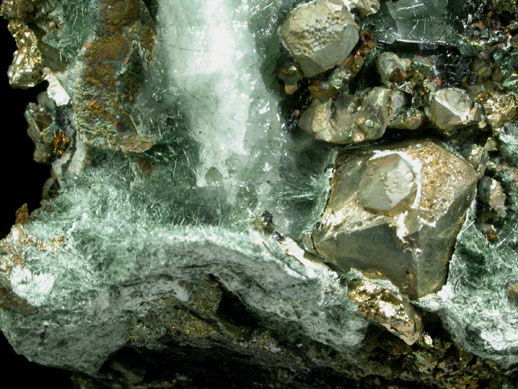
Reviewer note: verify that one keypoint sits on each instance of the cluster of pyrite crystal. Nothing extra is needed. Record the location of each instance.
(121, 42)
(394, 208)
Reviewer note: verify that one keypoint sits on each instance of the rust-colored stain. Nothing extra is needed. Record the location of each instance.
(61, 142)
(22, 215)
(108, 85)
(111, 48)
(116, 14)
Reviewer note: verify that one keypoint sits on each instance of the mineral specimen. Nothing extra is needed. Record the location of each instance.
(385, 206)
(365, 7)
(416, 76)
(408, 119)
(491, 193)
(451, 108)
(109, 62)
(353, 119)
(417, 21)
(387, 309)
(192, 234)
(501, 108)
(388, 185)
(319, 35)
(391, 68)
(27, 69)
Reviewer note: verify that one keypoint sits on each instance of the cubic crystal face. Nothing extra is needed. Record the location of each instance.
(319, 35)
(451, 109)
(395, 211)
(387, 185)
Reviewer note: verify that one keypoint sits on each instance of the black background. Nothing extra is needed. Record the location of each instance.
(21, 182)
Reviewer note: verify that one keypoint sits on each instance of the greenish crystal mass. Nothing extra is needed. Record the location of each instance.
(240, 196)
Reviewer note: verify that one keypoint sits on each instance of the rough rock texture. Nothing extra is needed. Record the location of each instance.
(319, 35)
(384, 207)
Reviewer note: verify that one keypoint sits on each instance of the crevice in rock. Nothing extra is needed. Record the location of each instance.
(152, 6)
(232, 310)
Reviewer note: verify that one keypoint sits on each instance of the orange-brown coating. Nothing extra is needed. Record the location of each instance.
(111, 48)
(101, 76)
(116, 14)
(18, 10)
(108, 86)
(61, 142)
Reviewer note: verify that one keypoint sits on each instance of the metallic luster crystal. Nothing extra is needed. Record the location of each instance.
(387, 309)
(26, 70)
(365, 7)
(408, 119)
(451, 109)
(388, 185)
(319, 35)
(392, 69)
(353, 118)
(389, 227)
(499, 106)
(157, 252)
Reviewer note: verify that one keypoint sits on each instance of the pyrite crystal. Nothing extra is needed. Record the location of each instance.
(319, 35)
(385, 208)
(260, 193)
(387, 309)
